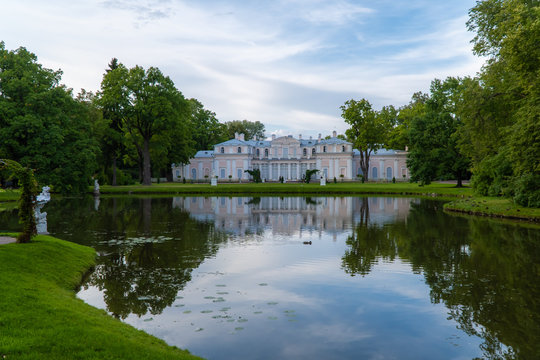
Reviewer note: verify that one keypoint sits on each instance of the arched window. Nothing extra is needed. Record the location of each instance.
(313, 151)
(222, 150)
(239, 150)
(258, 153)
(305, 152)
(324, 148)
(389, 173)
(374, 173)
(265, 152)
(343, 148)
(194, 174)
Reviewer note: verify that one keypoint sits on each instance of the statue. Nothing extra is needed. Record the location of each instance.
(96, 188)
(45, 196)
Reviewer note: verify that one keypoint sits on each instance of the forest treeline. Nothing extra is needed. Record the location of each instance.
(139, 123)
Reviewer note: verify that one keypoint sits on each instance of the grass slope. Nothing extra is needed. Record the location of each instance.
(495, 207)
(40, 317)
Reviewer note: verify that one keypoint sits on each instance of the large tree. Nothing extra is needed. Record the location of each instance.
(500, 108)
(42, 126)
(368, 129)
(153, 112)
(434, 153)
(250, 129)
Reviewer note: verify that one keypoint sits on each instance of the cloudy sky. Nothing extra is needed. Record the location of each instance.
(287, 63)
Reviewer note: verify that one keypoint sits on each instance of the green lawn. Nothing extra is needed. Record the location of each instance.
(345, 188)
(40, 317)
(9, 195)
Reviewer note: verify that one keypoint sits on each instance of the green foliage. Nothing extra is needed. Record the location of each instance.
(492, 177)
(206, 129)
(27, 198)
(154, 116)
(368, 128)
(527, 190)
(433, 137)
(41, 126)
(309, 174)
(255, 174)
(250, 129)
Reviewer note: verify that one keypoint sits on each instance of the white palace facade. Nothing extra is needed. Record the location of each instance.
(290, 157)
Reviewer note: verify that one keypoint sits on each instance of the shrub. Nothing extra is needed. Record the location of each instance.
(527, 190)
(492, 176)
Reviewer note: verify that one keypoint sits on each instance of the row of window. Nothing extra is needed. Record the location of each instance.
(239, 151)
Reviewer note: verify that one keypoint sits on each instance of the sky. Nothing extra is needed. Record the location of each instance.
(289, 64)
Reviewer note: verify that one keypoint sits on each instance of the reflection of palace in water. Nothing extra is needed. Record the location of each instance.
(290, 215)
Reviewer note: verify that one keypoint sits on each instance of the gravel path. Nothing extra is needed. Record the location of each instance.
(7, 240)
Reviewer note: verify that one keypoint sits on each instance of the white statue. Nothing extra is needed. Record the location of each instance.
(44, 196)
(323, 181)
(96, 187)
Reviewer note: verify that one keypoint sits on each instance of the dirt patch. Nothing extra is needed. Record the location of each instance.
(7, 240)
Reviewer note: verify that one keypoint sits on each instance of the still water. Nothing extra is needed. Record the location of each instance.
(310, 278)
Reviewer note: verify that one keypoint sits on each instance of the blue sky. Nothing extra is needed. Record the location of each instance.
(288, 64)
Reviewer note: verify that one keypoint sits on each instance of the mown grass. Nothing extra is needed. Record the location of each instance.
(493, 206)
(345, 188)
(9, 195)
(40, 317)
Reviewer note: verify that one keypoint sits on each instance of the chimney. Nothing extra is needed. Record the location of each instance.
(334, 133)
(241, 136)
(320, 136)
(273, 137)
(310, 137)
(299, 136)
(236, 136)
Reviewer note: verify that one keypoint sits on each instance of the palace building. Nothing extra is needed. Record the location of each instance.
(289, 158)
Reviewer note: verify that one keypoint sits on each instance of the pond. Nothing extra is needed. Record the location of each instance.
(309, 278)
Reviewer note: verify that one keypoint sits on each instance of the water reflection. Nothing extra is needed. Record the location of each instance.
(292, 215)
(230, 277)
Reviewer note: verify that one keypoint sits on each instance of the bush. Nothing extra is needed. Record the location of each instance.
(335, 180)
(394, 180)
(492, 177)
(527, 190)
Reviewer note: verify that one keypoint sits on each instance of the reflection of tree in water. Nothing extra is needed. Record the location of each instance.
(486, 273)
(147, 249)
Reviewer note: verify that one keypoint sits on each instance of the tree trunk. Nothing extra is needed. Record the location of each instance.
(147, 173)
(459, 181)
(114, 170)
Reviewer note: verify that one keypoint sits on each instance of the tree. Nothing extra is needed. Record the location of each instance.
(368, 129)
(398, 137)
(500, 108)
(153, 112)
(309, 174)
(433, 137)
(27, 201)
(206, 129)
(42, 126)
(250, 129)
(255, 174)
(113, 137)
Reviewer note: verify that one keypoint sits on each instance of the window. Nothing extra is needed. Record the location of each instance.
(389, 173)
(265, 152)
(194, 173)
(374, 172)
(222, 173)
(258, 153)
(324, 149)
(239, 173)
(222, 150)
(305, 152)
(285, 152)
(239, 150)
(343, 149)
(313, 151)
(177, 173)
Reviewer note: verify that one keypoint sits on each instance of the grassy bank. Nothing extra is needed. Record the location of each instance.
(495, 207)
(40, 317)
(435, 189)
(9, 195)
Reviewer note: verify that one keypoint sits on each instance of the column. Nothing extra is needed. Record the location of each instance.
(381, 169)
(288, 171)
(349, 169)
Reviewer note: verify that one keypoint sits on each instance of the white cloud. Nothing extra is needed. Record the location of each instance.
(288, 64)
